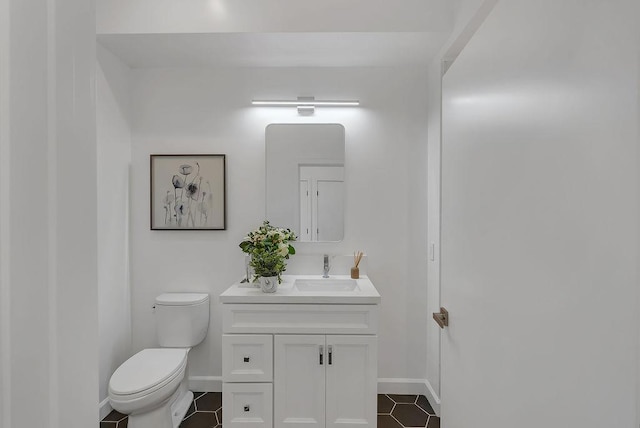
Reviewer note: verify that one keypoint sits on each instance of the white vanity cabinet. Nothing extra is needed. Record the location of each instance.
(325, 381)
(298, 364)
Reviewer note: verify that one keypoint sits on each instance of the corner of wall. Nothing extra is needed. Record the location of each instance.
(5, 176)
(113, 130)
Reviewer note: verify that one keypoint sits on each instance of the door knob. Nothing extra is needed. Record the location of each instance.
(442, 317)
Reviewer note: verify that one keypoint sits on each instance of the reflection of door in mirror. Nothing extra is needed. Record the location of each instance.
(305, 180)
(321, 203)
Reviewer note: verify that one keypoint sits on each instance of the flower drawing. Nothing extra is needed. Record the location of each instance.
(178, 182)
(192, 191)
(189, 205)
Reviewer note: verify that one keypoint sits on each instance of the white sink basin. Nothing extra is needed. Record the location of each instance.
(327, 284)
(312, 289)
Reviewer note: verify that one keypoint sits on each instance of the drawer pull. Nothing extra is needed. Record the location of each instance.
(246, 359)
(247, 408)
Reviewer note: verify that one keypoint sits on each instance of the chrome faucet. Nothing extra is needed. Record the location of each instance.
(326, 266)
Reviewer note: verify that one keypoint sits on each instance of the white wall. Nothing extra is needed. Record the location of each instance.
(463, 12)
(113, 128)
(48, 226)
(209, 111)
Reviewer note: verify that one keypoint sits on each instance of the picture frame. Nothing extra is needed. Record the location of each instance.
(188, 192)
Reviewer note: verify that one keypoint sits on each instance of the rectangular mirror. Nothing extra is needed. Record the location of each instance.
(305, 180)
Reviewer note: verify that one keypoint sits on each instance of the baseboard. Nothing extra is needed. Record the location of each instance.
(385, 386)
(433, 398)
(205, 383)
(401, 386)
(104, 408)
(411, 387)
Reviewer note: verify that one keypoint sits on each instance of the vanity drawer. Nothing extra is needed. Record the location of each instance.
(247, 358)
(300, 318)
(247, 405)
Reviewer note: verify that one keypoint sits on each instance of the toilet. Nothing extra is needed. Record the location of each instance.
(151, 386)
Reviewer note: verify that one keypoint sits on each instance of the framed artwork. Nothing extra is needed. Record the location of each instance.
(188, 192)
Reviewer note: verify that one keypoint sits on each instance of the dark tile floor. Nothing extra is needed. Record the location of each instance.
(400, 411)
(394, 411)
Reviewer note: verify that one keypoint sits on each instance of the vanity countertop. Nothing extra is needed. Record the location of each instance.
(307, 289)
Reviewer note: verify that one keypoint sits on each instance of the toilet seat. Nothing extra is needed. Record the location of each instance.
(147, 378)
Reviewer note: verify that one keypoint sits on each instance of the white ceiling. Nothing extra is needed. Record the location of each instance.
(272, 16)
(274, 33)
(326, 49)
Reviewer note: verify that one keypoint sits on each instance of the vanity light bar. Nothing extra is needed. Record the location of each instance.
(306, 105)
(309, 103)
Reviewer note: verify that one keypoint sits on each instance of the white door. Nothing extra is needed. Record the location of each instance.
(352, 381)
(540, 219)
(330, 210)
(322, 206)
(299, 381)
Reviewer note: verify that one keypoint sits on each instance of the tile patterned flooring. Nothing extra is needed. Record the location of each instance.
(402, 411)
(394, 411)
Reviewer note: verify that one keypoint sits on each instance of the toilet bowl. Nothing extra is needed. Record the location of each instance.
(151, 386)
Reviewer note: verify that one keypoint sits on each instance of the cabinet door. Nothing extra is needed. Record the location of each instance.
(352, 381)
(299, 383)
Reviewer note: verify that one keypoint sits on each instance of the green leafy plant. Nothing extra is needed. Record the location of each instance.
(268, 247)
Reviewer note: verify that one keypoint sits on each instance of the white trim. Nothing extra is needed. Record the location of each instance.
(104, 408)
(461, 40)
(205, 383)
(401, 386)
(385, 386)
(433, 398)
(410, 387)
(5, 225)
(52, 214)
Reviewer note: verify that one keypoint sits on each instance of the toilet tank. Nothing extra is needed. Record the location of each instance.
(182, 319)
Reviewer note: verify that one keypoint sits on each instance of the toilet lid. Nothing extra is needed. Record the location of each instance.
(146, 369)
(181, 299)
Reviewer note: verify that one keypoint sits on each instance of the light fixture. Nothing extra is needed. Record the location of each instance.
(306, 105)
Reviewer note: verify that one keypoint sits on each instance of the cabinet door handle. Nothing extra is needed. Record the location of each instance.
(330, 354)
(246, 359)
(321, 350)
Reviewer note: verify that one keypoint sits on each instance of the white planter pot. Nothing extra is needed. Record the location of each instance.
(268, 284)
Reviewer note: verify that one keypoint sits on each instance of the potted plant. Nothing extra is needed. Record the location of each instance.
(268, 247)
